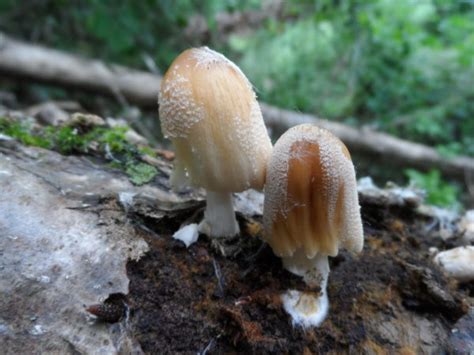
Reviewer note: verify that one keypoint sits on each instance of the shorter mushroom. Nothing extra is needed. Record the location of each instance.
(311, 209)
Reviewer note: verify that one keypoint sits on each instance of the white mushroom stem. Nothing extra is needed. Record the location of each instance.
(219, 217)
(179, 178)
(307, 309)
(314, 271)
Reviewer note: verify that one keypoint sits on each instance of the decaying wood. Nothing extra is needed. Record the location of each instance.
(37, 63)
(51, 66)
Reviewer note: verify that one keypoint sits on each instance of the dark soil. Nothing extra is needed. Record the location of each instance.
(390, 298)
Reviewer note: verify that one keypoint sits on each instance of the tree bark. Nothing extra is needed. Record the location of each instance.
(41, 64)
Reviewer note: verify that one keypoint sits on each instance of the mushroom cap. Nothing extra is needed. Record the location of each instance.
(210, 112)
(311, 199)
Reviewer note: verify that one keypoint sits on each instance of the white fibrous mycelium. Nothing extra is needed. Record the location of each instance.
(311, 209)
(210, 112)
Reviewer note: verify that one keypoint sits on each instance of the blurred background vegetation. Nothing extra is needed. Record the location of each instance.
(405, 67)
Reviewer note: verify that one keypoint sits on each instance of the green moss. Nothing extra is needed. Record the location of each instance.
(73, 140)
(147, 151)
(114, 138)
(67, 140)
(140, 173)
(23, 132)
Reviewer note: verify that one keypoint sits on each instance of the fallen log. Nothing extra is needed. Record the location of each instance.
(381, 146)
(18, 59)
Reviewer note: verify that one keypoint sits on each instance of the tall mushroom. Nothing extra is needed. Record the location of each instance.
(311, 209)
(209, 110)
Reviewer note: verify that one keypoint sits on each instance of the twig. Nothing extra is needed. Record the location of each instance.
(220, 279)
(208, 347)
(257, 253)
(251, 259)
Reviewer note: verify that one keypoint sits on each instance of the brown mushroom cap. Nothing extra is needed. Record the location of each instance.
(311, 199)
(209, 110)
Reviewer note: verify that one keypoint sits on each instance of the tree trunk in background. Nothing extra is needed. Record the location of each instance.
(41, 64)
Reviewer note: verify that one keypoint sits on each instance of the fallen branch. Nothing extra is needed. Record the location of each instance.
(381, 146)
(37, 63)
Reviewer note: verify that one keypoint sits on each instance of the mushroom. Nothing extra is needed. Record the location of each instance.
(209, 110)
(311, 209)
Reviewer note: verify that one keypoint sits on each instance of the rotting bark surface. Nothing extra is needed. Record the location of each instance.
(389, 299)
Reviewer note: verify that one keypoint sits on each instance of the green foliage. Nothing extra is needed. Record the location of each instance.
(297, 73)
(71, 140)
(405, 66)
(122, 31)
(438, 192)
